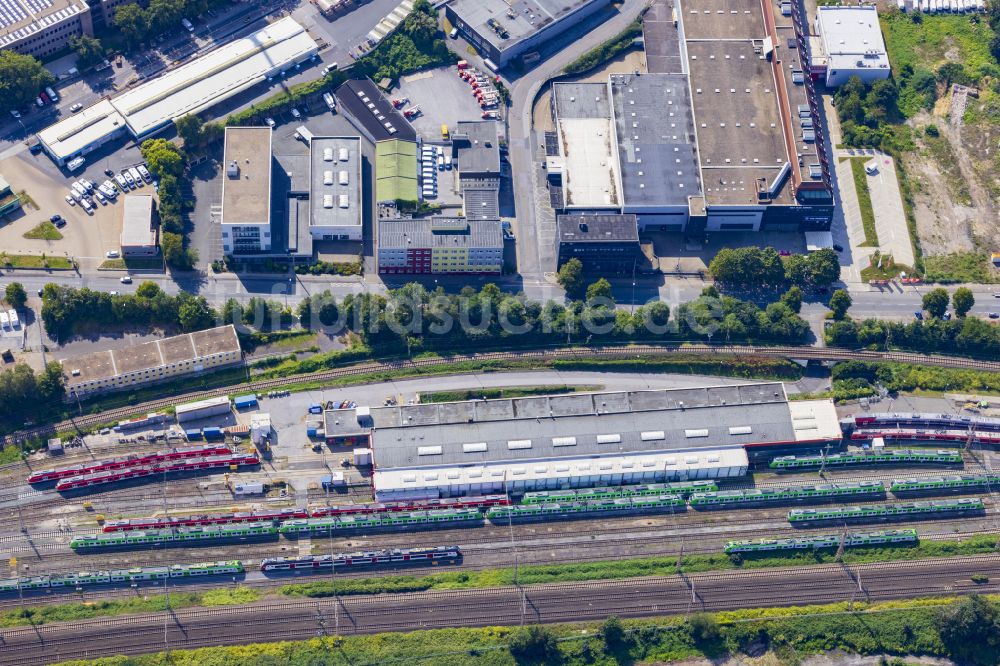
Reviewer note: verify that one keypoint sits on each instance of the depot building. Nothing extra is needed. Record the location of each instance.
(574, 441)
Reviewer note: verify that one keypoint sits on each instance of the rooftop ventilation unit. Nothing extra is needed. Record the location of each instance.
(233, 169)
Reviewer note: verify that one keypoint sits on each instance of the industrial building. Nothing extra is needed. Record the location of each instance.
(364, 105)
(42, 27)
(580, 440)
(848, 42)
(439, 245)
(203, 409)
(246, 191)
(604, 243)
(335, 188)
(477, 147)
(396, 171)
(151, 362)
(191, 88)
(723, 135)
(139, 230)
(502, 30)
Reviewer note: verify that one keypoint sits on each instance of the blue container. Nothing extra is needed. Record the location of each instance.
(193, 434)
(315, 408)
(311, 431)
(212, 433)
(245, 401)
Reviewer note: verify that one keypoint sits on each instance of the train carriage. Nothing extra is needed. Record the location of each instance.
(822, 492)
(169, 537)
(943, 484)
(170, 467)
(888, 457)
(850, 540)
(124, 462)
(133, 575)
(682, 488)
(568, 510)
(930, 509)
(367, 558)
(388, 520)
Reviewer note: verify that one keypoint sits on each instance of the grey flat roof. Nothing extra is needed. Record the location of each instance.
(320, 169)
(721, 19)
(657, 154)
(246, 198)
(599, 228)
(481, 203)
(482, 156)
(569, 425)
(357, 107)
(420, 233)
(581, 100)
(137, 218)
(526, 17)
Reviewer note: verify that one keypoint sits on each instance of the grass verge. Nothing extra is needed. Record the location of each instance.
(969, 267)
(606, 51)
(864, 200)
(23, 617)
(35, 261)
(507, 392)
(790, 633)
(44, 231)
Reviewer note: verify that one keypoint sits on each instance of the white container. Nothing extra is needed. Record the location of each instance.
(362, 457)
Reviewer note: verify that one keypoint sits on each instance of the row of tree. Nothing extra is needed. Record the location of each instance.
(754, 266)
(141, 25)
(65, 309)
(413, 317)
(166, 162)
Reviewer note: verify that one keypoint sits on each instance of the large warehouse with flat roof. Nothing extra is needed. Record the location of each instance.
(579, 440)
(724, 135)
(191, 88)
(151, 362)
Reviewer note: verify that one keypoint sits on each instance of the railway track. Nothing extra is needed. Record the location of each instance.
(85, 422)
(645, 597)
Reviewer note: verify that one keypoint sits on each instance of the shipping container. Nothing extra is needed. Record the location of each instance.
(245, 401)
(201, 409)
(212, 433)
(335, 480)
(193, 434)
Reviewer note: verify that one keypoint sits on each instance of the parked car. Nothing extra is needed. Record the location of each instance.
(128, 179)
(89, 184)
(838, 248)
(270, 122)
(55, 218)
(15, 113)
(70, 200)
(126, 279)
(111, 254)
(35, 148)
(136, 176)
(295, 113)
(110, 173)
(994, 315)
(76, 107)
(87, 206)
(122, 183)
(918, 315)
(101, 198)
(144, 172)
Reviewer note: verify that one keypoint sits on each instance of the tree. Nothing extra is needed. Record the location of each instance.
(962, 301)
(935, 302)
(163, 158)
(704, 630)
(148, 289)
(15, 295)
(172, 246)
(164, 15)
(824, 267)
(133, 22)
(614, 634)
(840, 302)
(600, 289)
(570, 277)
(793, 299)
(533, 645)
(189, 128)
(194, 312)
(89, 51)
(970, 630)
(21, 77)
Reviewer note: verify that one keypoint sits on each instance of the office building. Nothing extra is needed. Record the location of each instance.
(439, 245)
(42, 27)
(605, 244)
(246, 191)
(335, 188)
(848, 43)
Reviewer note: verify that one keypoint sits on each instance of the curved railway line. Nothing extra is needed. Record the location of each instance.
(85, 422)
(512, 605)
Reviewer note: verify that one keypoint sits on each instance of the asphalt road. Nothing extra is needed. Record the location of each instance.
(644, 597)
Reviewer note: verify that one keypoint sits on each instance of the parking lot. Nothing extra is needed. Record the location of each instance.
(443, 98)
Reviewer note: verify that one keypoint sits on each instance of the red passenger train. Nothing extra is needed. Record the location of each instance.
(133, 460)
(172, 466)
(278, 515)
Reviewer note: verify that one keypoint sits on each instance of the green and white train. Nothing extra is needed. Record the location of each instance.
(181, 536)
(386, 520)
(500, 515)
(943, 484)
(867, 513)
(134, 575)
(886, 457)
(851, 540)
(682, 488)
(823, 492)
